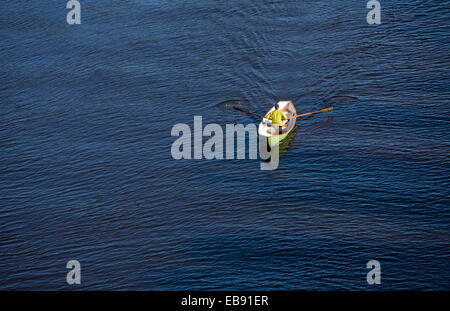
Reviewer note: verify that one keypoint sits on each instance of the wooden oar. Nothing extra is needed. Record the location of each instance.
(296, 116)
(308, 113)
(249, 112)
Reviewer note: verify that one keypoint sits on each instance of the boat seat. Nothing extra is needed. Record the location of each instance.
(286, 112)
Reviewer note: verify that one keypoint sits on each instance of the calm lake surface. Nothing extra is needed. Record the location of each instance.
(85, 137)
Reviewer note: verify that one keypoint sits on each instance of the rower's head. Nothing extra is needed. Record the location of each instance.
(277, 106)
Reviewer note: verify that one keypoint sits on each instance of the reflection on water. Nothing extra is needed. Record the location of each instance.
(285, 144)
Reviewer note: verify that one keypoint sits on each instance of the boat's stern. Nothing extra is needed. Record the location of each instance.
(265, 128)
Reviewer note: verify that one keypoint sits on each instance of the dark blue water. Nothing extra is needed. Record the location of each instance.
(87, 172)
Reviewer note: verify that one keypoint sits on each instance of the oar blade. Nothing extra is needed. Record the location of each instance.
(247, 111)
(241, 109)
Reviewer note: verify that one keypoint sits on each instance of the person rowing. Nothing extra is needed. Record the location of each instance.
(277, 117)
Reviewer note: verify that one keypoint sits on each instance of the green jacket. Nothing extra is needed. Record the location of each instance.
(277, 117)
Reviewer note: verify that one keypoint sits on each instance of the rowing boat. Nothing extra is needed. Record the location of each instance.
(266, 129)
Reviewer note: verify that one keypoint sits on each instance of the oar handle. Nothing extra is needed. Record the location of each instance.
(308, 113)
